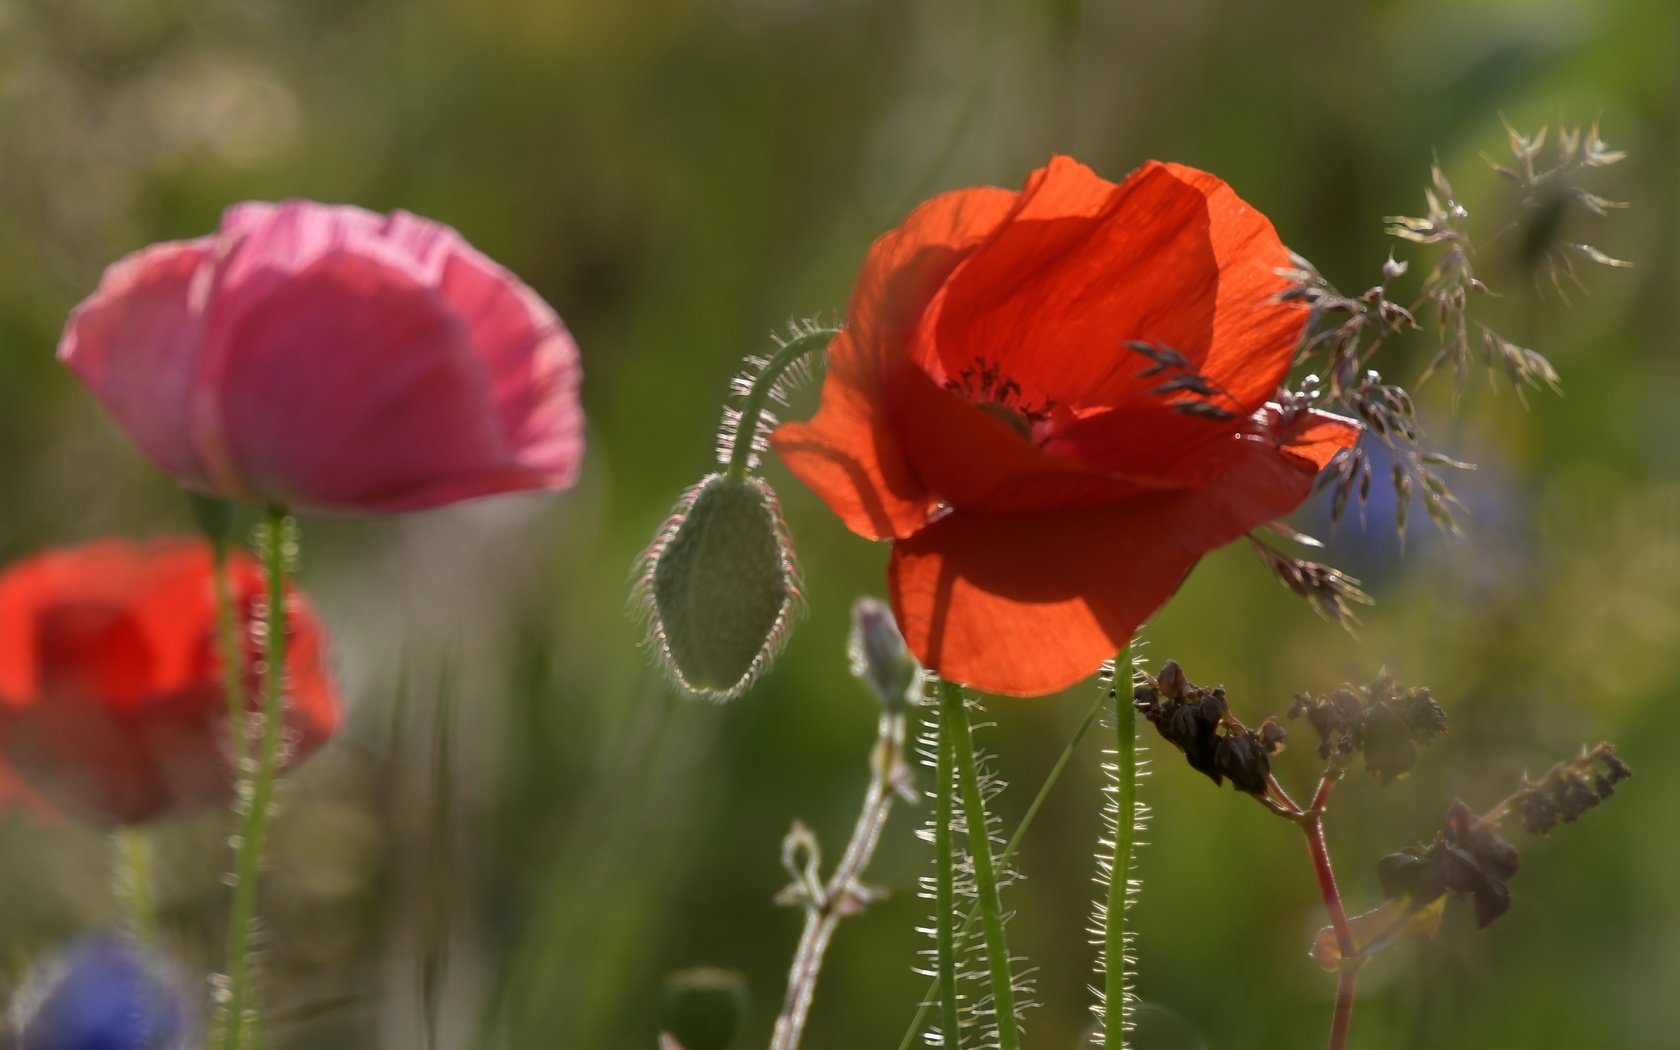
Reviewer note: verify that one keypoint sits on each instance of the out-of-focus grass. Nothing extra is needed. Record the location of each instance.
(678, 179)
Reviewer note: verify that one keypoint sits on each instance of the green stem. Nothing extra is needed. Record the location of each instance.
(233, 656)
(134, 883)
(215, 521)
(946, 896)
(1009, 849)
(256, 793)
(954, 721)
(1120, 861)
(765, 382)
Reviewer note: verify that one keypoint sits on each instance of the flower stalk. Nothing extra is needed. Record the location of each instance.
(945, 894)
(135, 884)
(954, 724)
(1008, 852)
(256, 792)
(763, 388)
(1120, 859)
(844, 893)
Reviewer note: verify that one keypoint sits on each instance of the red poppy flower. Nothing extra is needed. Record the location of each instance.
(111, 696)
(328, 358)
(985, 410)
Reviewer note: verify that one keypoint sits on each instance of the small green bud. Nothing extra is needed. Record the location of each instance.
(720, 585)
(702, 1008)
(879, 656)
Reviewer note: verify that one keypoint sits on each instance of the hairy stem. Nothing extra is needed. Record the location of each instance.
(843, 894)
(954, 721)
(945, 892)
(1009, 849)
(1120, 860)
(256, 793)
(765, 382)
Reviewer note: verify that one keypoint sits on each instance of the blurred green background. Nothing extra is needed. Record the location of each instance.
(521, 831)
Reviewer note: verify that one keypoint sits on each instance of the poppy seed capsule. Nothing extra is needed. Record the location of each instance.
(720, 585)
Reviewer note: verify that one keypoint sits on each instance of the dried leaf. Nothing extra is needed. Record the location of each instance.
(1397, 921)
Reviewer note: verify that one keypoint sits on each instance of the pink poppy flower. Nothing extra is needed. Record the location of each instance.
(328, 358)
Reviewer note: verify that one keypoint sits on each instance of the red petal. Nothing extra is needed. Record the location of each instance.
(849, 452)
(1170, 256)
(1026, 604)
(1317, 436)
(976, 462)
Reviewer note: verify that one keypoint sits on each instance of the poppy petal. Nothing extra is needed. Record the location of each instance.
(974, 461)
(136, 341)
(849, 452)
(352, 385)
(1170, 256)
(1027, 604)
(531, 358)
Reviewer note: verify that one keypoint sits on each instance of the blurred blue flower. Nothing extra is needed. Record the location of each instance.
(104, 992)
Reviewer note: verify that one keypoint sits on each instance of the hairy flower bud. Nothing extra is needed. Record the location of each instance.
(879, 655)
(719, 585)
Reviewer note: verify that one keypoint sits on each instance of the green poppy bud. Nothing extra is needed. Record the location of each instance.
(719, 586)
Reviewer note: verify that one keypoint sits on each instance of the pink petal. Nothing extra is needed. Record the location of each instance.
(136, 343)
(531, 360)
(351, 387)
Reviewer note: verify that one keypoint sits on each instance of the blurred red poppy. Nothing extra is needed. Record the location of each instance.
(987, 409)
(111, 697)
(328, 358)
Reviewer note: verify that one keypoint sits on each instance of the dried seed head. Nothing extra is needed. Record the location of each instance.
(1379, 720)
(1468, 858)
(719, 586)
(879, 655)
(1569, 789)
(1198, 722)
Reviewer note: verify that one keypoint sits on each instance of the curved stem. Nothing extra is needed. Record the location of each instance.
(740, 457)
(945, 893)
(1120, 861)
(1009, 849)
(256, 793)
(954, 721)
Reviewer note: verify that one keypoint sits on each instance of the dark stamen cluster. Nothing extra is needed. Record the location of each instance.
(1379, 721)
(1468, 858)
(1198, 722)
(983, 382)
(1569, 789)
